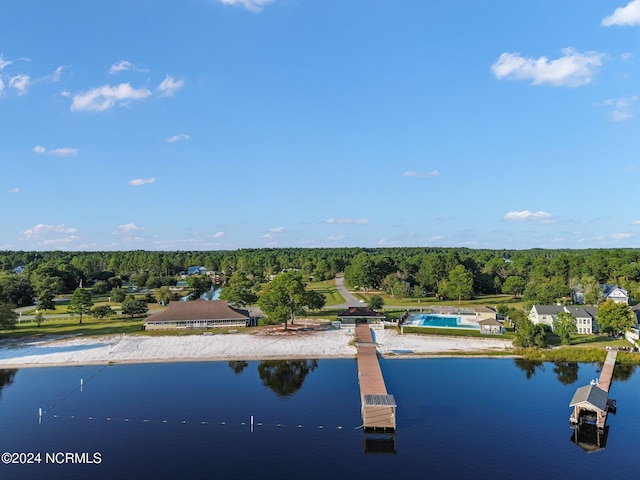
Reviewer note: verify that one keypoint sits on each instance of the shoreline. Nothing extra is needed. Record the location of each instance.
(327, 344)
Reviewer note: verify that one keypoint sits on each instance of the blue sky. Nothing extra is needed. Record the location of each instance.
(225, 124)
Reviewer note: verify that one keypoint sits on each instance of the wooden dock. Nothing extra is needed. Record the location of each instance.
(378, 407)
(594, 399)
(606, 375)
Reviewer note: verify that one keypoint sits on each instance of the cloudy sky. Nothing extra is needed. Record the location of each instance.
(224, 124)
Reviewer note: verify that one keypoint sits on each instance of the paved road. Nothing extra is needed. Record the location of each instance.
(350, 300)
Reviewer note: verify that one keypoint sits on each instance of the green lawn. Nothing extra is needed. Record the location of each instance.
(70, 326)
(328, 289)
(411, 303)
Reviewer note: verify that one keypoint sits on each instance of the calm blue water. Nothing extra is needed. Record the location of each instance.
(439, 321)
(457, 419)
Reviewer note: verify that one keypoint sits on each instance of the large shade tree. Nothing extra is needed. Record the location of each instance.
(284, 297)
(460, 284)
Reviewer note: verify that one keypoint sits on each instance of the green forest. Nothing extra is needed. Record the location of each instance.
(535, 275)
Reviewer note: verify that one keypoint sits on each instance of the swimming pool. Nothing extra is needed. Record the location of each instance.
(439, 321)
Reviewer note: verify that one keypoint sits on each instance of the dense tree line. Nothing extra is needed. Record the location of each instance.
(536, 275)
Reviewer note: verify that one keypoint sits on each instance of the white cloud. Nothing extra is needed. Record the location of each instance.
(334, 238)
(40, 230)
(218, 235)
(526, 215)
(121, 66)
(20, 83)
(63, 152)
(177, 138)
(385, 242)
(169, 86)
(4, 63)
(345, 221)
(622, 107)
(59, 241)
(573, 69)
(635, 222)
(136, 182)
(55, 76)
(58, 152)
(276, 229)
(14, 190)
(106, 97)
(1, 88)
(627, 15)
(126, 229)
(251, 5)
(620, 236)
(413, 173)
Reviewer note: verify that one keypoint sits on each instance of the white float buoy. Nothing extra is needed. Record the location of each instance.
(40, 415)
(81, 384)
(252, 423)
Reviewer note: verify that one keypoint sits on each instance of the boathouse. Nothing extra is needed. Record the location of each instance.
(197, 314)
(354, 315)
(589, 401)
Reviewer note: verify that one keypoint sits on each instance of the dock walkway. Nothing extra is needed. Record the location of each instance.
(378, 407)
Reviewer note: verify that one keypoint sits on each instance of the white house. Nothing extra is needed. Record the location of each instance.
(544, 314)
(615, 293)
(586, 321)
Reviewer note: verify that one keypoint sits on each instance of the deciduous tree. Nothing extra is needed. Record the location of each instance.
(132, 307)
(80, 303)
(239, 290)
(102, 311)
(460, 284)
(8, 317)
(564, 326)
(284, 297)
(615, 317)
(376, 302)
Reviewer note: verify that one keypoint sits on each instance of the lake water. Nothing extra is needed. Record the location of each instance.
(457, 419)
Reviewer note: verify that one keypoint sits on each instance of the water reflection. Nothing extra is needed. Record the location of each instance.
(6, 377)
(590, 438)
(238, 367)
(285, 377)
(567, 372)
(529, 367)
(379, 443)
(623, 372)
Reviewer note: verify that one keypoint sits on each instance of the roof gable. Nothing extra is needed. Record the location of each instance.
(548, 309)
(360, 312)
(590, 397)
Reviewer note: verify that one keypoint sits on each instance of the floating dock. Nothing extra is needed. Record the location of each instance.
(592, 402)
(378, 407)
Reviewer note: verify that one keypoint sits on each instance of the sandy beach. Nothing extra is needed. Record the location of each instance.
(238, 346)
